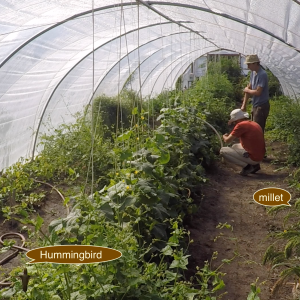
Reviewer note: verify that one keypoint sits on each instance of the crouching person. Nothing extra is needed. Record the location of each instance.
(251, 149)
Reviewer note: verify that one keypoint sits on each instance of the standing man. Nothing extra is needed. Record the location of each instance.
(251, 150)
(258, 90)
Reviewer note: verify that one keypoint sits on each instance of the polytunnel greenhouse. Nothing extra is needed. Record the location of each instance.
(112, 116)
(56, 56)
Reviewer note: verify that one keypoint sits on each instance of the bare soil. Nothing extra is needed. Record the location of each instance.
(228, 198)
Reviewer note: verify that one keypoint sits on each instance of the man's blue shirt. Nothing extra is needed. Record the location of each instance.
(260, 79)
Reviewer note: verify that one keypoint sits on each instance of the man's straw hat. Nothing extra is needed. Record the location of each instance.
(250, 59)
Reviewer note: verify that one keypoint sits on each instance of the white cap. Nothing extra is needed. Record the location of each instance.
(237, 114)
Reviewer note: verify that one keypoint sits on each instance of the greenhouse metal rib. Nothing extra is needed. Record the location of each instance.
(149, 3)
(62, 22)
(136, 67)
(54, 90)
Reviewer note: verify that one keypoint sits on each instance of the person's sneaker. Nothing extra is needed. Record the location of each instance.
(255, 168)
(246, 170)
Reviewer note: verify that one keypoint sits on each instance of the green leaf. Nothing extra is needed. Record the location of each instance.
(147, 168)
(141, 152)
(135, 111)
(190, 296)
(181, 262)
(167, 250)
(145, 186)
(105, 289)
(159, 231)
(54, 224)
(160, 138)
(23, 213)
(163, 196)
(101, 241)
(107, 210)
(253, 296)
(67, 199)
(164, 157)
(174, 239)
(164, 109)
(77, 296)
(71, 172)
(152, 158)
(115, 189)
(175, 130)
(9, 293)
(125, 136)
(126, 155)
(39, 223)
(220, 286)
(161, 212)
(130, 200)
(160, 117)
(170, 276)
(71, 220)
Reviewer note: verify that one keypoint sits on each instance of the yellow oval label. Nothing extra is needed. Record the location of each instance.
(73, 254)
(272, 197)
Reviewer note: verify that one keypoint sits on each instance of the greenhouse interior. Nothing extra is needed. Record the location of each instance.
(115, 120)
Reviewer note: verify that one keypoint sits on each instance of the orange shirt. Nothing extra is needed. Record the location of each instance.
(251, 138)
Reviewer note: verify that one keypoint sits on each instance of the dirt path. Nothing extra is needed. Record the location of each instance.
(229, 199)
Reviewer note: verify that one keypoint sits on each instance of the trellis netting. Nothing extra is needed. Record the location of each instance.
(57, 55)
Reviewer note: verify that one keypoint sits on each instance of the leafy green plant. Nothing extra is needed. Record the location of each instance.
(145, 181)
(283, 124)
(230, 67)
(215, 86)
(213, 95)
(66, 154)
(274, 85)
(114, 111)
(283, 254)
(130, 277)
(139, 213)
(15, 182)
(255, 291)
(16, 185)
(210, 281)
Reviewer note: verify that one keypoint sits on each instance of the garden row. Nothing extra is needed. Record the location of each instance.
(136, 182)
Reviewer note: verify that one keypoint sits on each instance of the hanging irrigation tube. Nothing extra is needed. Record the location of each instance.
(214, 129)
(5, 283)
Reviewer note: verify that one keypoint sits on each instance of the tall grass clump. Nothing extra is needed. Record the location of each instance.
(283, 125)
(214, 96)
(114, 112)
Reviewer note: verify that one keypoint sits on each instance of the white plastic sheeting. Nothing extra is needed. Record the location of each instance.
(56, 55)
